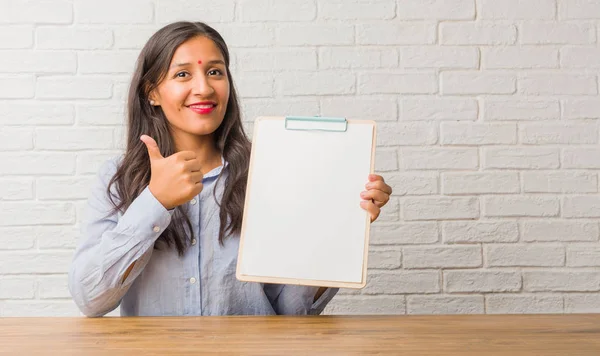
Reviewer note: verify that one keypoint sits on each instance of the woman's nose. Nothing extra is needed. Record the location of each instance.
(202, 86)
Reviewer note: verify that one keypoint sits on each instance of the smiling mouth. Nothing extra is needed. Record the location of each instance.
(202, 109)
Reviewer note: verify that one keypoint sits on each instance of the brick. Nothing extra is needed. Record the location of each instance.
(561, 281)
(558, 133)
(581, 108)
(552, 230)
(391, 212)
(397, 83)
(578, 9)
(583, 256)
(26, 213)
(74, 139)
(133, 37)
(52, 287)
(519, 57)
(560, 182)
(17, 288)
(440, 208)
(360, 108)
(100, 114)
(475, 82)
(581, 157)
(477, 33)
(62, 188)
(479, 232)
(556, 33)
(372, 305)
(436, 9)
(317, 83)
(35, 308)
(525, 255)
(439, 158)
(386, 160)
(114, 12)
(439, 57)
(403, 282)
(16, 37)
(385, 258)
(466, 133)
(107, 62)
(77, 38)
(557, 84)
(277, 60)
(168, 11)
(13, 139)
(253, 108)
(521, 109)
(38, 11)
(16, 189)
(582, 303)
(523, 304)
(481, 281)
(520, 158)
(35, 262)
(255, 85)
(247, 35)
(515, 206)
(404, 234)
(413, 183)
(56, 237)
(268, 10)
(314, 35)
(480, 183)
(418, 109)
(585, 206)
(351, 57)
(579, 57)
(357, 9)
(17, 86)
(37, 163)
(407, 134)
(411, 33)
(73, 88)
(442, 257)
(16, 238)
(516, 9)
(443, 304)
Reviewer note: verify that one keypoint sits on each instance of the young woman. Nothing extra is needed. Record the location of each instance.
(162, 224)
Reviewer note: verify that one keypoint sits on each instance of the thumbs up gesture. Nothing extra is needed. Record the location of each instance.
(175, 179)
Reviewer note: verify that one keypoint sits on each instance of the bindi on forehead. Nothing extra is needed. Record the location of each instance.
(199, 62)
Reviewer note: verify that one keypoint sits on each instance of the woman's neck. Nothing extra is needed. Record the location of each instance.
(206, 151)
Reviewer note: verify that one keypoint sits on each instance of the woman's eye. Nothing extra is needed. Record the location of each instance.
(215, 72)
(181, 74)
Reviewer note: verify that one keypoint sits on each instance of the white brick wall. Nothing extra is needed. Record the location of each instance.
(488, 116)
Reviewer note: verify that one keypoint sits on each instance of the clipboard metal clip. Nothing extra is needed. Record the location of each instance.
(339, 124)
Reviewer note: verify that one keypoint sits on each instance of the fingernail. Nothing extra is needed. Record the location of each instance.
(363, 194)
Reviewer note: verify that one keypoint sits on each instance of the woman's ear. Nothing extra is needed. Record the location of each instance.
(153, 98)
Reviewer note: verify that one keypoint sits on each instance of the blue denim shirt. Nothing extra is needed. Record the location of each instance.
(201, 282)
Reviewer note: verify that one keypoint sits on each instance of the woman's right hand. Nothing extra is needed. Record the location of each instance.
(174, 180)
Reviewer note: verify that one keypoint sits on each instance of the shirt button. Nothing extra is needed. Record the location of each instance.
(156, 228)
(193, 201)
(193, 241)
(192, 280)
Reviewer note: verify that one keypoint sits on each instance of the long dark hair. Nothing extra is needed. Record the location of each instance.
(133, 174)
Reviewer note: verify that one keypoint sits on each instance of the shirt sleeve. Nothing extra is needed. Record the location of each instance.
(298, 300)
(110, 243)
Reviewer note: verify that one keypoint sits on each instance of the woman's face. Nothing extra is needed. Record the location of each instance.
(195, 91)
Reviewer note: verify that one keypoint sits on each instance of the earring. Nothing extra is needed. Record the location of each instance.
(151, 102)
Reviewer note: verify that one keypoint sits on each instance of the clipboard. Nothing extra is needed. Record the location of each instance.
(302, 221)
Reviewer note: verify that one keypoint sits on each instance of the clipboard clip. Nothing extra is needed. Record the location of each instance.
(308, 123)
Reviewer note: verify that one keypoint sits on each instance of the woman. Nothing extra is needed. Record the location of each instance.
(163, 220)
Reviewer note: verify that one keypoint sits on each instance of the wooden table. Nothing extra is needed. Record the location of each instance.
(573, 335)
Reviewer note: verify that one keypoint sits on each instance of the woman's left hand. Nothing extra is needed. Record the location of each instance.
(376, 196)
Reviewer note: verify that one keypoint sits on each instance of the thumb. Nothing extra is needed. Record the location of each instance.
(152, 147)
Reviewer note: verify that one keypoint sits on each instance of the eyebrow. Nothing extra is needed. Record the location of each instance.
(214, 61)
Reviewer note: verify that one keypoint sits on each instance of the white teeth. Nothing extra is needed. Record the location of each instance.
(203, 106)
